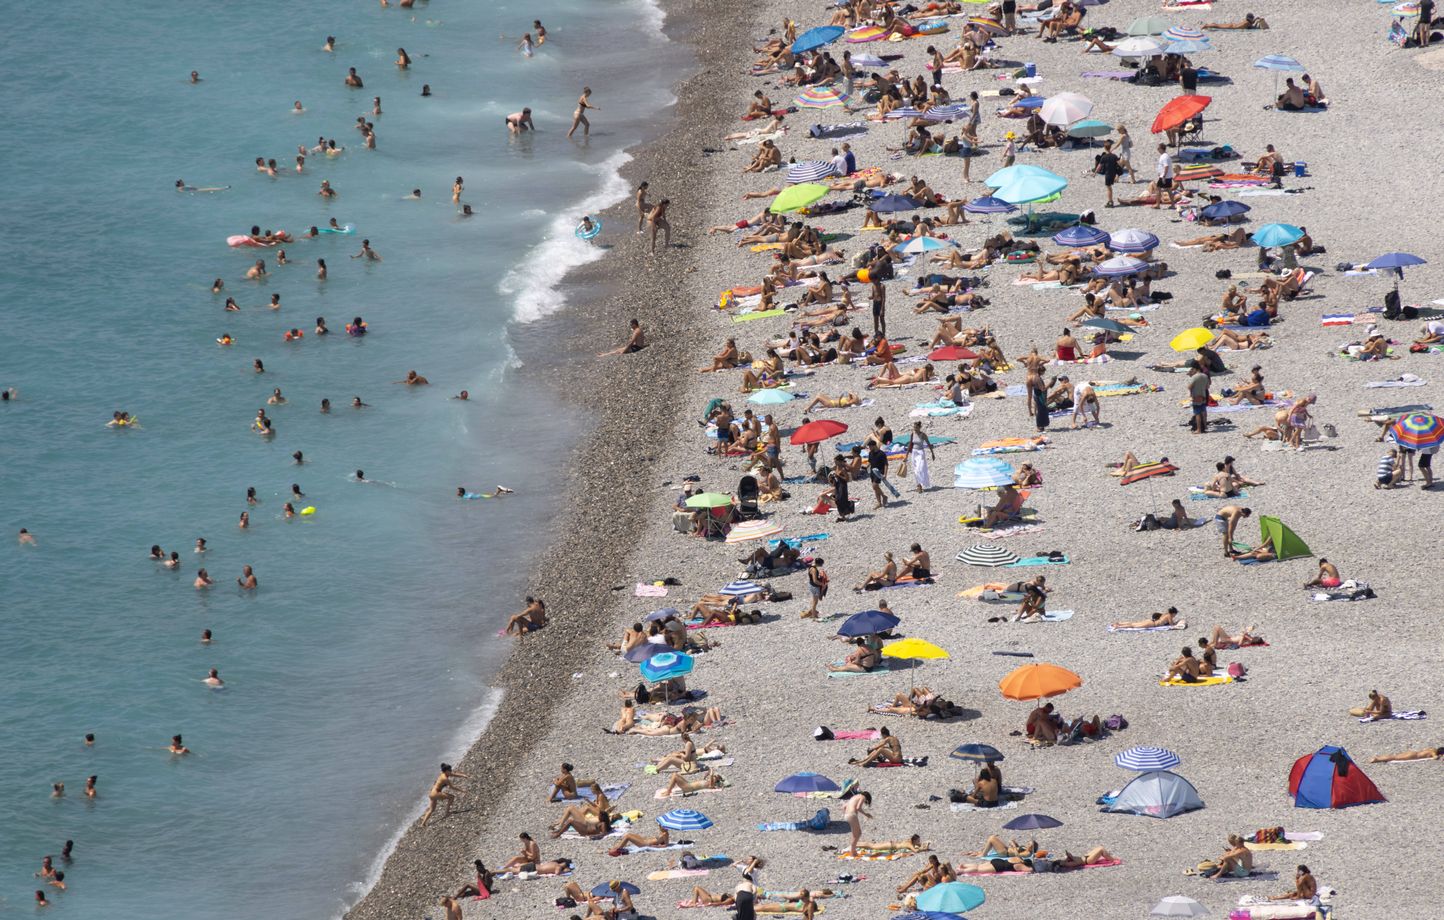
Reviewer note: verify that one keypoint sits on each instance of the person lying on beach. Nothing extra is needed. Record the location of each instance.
(666, 723)
(1067, 273)
(589, 824)
(660, 839)
(1267, 432)
(996, 865)
(887, 750)
(1223, 639)
(890, 376)
(701, 897)
(1249, 21)
(1264, 552)
(1217, 242)
(1406, 756)
(587, 812)
(1168, 617)
(1378, 709)
(1185, 667)
(914, 844)
(832, 402)
(682, 784)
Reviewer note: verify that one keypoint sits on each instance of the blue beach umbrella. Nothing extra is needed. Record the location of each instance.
(888, 204)
(930, 915)
(1031, 188)
(1079, 236)
(816, 38)
(661, 614)
(906, 111)
(988, 205)
(1223, 210)
(1090, 127)
(1031, 102)
(978, 753)
(982, 472)
(772, 397)
(667, 666)
(604, 890)
(867, 623)
(1108, 325)
(684, 819)
(1279, 62)
(1145, 759)
(1187, 46)
(640, 653)
(1010, 174)
(946, 112)
(740, 587)
(809, 171)
(1119, 266)
(1396, 260)
(1132, 240)
(1032, 823)
(951, 897)
(806, 782)
(1270, 235)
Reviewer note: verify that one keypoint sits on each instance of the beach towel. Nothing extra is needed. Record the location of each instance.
(941, 409)
(1201, 682)
(1112, 628)
(888, 665)
(1286, 845)
(1051, 616)
(629, 851)
(1147, 471)
(1101, 359)
(1125, 389)
(662, 794)
(866, 734)
(1405, 716)
(613, 792)
(1195, 494)
(758, 314)
(909, 582)
(528, 876)
(796, 542)
(664, 874)
(816, 823)
(1226, 409)
(1037, 560)
(959, 807)
(651, 769)
(1403, 380)
(645, 590)
(905, 762)
(1009, 529)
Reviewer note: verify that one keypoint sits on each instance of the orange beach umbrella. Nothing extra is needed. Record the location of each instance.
(1178, 111)
(1036, 681)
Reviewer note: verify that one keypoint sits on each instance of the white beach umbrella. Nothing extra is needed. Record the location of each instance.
(1138, 46)
(1178, 906)
(1064, 109)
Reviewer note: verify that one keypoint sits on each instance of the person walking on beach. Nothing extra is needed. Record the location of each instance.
(853, 812)
(920, 448)
(658, 220)
(816, 587)
(579, 117)
(642, 207)
(443, 790)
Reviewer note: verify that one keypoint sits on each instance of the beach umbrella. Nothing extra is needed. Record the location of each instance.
(922, 244)
(809, 171)
(822, 97)
(982, 472)
(1184, 34)
(915, 649)
(640, 653)
(1010, 174)
(1032, 823)
(951, 897)
(1030, 102)
(1063, 109)
(1189, 46)
(1090, 128)
(988, 205)
(929, 915)
(946, 112)
(867, 623)
(889, 204)
(1139, 46)
(1037, 681)
(1191, 339)
(1177, 906)
(866, 59)
(1119, 266)
(977, 753)
(989, 555)
(1178, 111)
(753, 530)
(1223, 210)
(1107, 325)
(991, 26)
(805, 782)
(906, 111)
(661, 614)
(740, 588)
(816, 38)
(817, 430)
(684, 819)
(1277, 235)
(1080, 235)
(1132, 240)
(709, 500)
(770, 397)
(604, 890)
(1145, 759)
(1148, 25)
(1419, 431)
(952, 353)
(1396, 262)
(1031, 189)
(667, 666)
(1278, 63)
(797, 196)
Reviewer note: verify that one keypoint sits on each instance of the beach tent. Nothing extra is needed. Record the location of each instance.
(1287, 544)
(1158, 794)
(1329, 778)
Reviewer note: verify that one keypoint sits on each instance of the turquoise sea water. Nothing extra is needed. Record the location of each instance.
(363, 658)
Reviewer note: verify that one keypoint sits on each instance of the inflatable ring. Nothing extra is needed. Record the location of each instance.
(588, 234)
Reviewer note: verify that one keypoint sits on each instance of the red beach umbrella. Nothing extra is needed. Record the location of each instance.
(819, 430)
(952, 353)
(1178, 111)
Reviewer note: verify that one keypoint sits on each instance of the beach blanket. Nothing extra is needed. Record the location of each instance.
(865, 734)
(796, 542)
(1014, 529)
(645, 590)
(1226, 409)
(1286, 845)
(613, 791)
(664, 874)
(651, 769)
(1101, 865)
(1196, 494)
(1403, 380)
(1201, 682)
(943, 408)
(758, 314)
(1125, 389)
(816, 823)
(1101, 359)
(1051, 616)
(528, 876)
(1112, 628)
(1147, 471)
(1037, 560)
(1109, 74)
(888, 665)
(958, 807)
(1409, 715)
(1009, 446)
(629, 851)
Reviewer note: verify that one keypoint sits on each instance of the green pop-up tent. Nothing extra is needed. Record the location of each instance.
(1287, 544)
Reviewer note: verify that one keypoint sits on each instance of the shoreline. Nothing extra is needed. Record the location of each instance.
(630, 282)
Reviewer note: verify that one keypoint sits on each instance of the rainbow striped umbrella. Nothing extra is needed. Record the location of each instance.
(753, 530)
(1419, 431)
(821, 97)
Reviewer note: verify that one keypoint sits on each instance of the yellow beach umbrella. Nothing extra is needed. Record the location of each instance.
(1189, 339)
(913, 648)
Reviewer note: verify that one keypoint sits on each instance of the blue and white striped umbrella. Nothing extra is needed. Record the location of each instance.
(867, 60)
(982, 472)
(1187, 46)
(1184, 34)
(1280, 62)
(1080, 235)
(1132, 240)
(946, 112)
(809, 171)
(989, 205)
(740, 588)
(906, 111)
(684, 819)
(1145, 759)
(1119, 266)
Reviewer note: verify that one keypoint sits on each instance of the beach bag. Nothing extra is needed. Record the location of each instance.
(1236, 669)
(822, 733)
(1115, 723)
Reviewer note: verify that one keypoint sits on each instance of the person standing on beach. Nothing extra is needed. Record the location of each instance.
(816, 587)
(1198, 381)
(1110, 168)
(641, 207)
(879, 308)
(579, 117)
(658, 220)
(1165, 177)
(853, 812)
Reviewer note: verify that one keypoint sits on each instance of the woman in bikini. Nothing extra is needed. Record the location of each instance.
(443, 790)
(681, 784)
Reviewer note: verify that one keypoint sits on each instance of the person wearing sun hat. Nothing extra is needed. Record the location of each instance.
(1010, 150)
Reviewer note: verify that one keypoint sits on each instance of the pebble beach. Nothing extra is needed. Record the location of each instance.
(1362, 193)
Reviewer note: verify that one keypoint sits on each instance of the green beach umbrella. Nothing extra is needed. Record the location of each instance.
(798, 196)
(709, 500)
